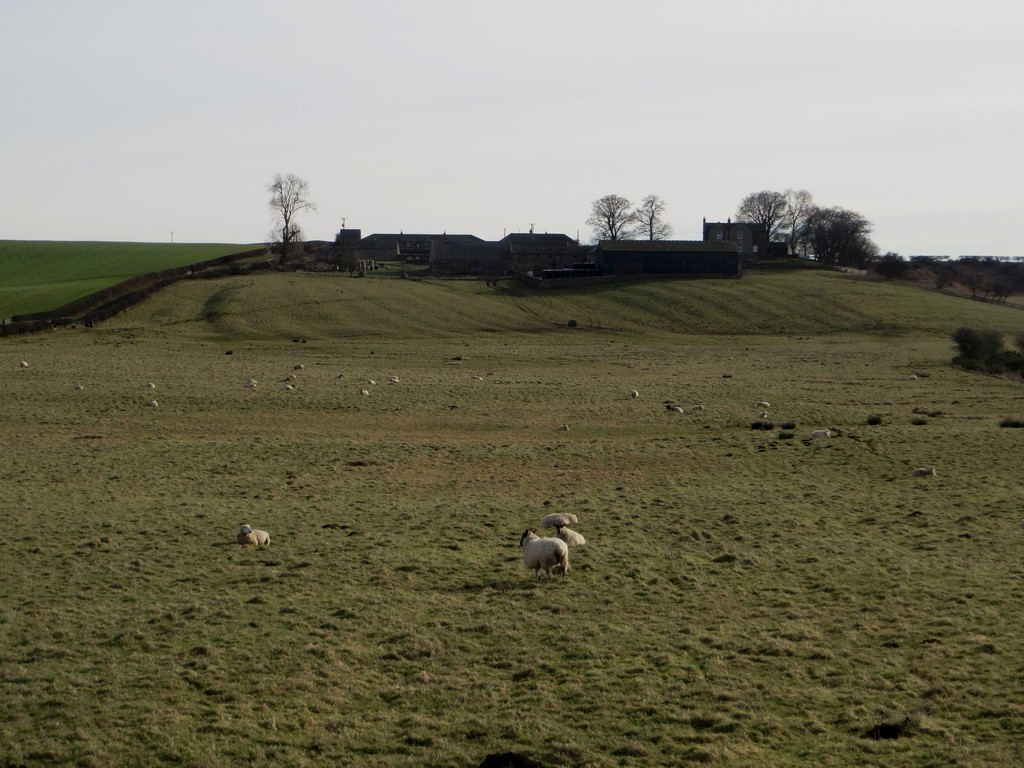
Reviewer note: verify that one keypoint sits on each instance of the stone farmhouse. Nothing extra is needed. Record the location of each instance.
(552, 259)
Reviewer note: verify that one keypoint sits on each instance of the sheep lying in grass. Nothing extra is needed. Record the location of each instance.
(563, 427)
(249, 535)
(923, 472)
(153, 404)
(763, 404)
(821, 433)
(544, 554)
(569, 536)
(556, 519)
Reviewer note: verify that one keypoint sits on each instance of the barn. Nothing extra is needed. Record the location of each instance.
(690, 258)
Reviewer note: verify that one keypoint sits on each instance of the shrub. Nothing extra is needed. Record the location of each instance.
(1012, 423)
(977, 350)
(789, 425)
(874, 419)
(785, 435)
(917, 421)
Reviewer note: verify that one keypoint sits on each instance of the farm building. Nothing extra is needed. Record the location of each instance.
(693, 258)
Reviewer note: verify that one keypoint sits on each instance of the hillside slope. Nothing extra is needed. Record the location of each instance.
(276, 306)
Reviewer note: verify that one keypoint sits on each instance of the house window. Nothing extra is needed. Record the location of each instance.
(718, 235)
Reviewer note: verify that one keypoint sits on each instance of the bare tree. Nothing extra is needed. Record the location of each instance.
(289, 195)
(798, 205)
(768, 208)
(611, 218)
(839, 238)
(649, 221)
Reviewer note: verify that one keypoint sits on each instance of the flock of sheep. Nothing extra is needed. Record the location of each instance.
(539, 553)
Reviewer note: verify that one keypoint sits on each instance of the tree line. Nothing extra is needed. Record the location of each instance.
(834, 236)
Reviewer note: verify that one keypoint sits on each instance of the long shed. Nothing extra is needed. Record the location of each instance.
(693, 258)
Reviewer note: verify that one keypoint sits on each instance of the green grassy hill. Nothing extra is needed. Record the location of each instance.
(42, 275)
(762, 303)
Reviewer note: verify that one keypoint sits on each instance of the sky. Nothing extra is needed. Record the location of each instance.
(141, 121)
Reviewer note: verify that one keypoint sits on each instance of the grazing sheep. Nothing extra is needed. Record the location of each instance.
(698, 407)
(634, 394)
(23, 364)
(563, 427)
(251, 384)
(151, 385)
(821, 433)
(674, 408)
(392, 379)
(299, 367)
(763, 415)
(370, 381)
(923, 472)
(555, 520)
(544, 553)
(763, 404)
(478, 378)
(569, 536)
(290, 387)
(364, 392)
(153, 404)
(249, 535)
(79, 387)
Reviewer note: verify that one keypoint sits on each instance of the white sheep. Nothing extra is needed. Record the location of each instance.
(151, 385)
(569, 536)
(763, 415)
(23, 364)
(762, 404)
(249, 535)
(923, 472)
(393, 379)
(153, 404)
(563, 427)
(554, 520)
(79, 387)
(821, 433)
(698, 407)
(634, 394)
(251, 384)
(364, 392)
(299, 367)
(674, 408)
(370, 381)
(544, 553)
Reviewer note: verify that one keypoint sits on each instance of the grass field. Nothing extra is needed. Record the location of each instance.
(40, 275)
(744, 598)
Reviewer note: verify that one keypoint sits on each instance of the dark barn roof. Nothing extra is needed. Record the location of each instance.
(667, 257)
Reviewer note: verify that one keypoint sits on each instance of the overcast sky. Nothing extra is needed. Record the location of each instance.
(130, 120)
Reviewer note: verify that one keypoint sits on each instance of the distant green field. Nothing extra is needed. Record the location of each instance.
(39, 275)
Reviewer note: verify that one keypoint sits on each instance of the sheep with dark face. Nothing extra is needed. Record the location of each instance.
(544, 554)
